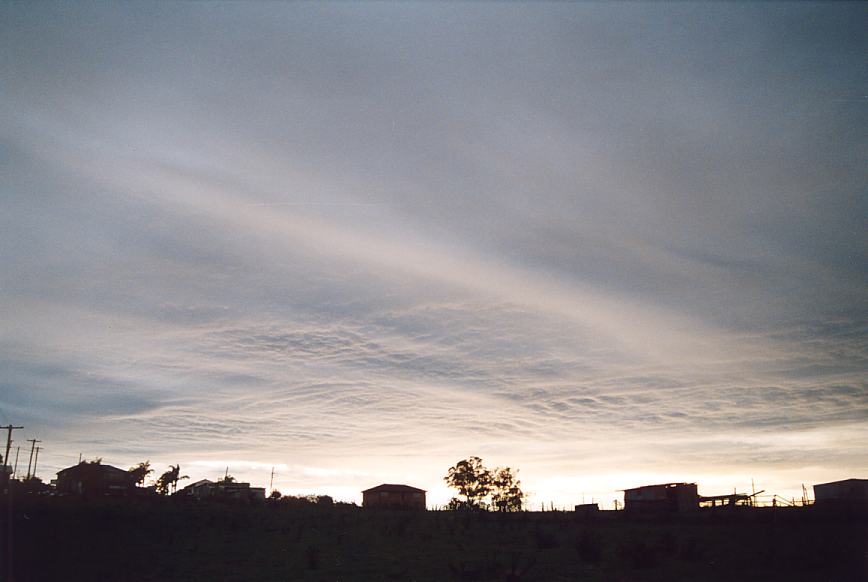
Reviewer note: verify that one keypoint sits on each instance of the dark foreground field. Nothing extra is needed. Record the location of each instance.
(161, 539)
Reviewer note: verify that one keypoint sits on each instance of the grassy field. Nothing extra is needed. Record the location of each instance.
(163, 539)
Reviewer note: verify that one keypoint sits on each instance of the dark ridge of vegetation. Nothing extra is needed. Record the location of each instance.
(159, 539)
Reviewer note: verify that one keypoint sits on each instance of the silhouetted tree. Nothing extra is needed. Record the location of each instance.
(473, 482)
(227, 479)
(168, 481)
(506, 493)
(164, 483)
(139, 472)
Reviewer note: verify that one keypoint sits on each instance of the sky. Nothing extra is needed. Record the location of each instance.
(607, 245)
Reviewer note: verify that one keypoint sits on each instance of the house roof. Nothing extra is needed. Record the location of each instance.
(842, 481)
(199, 483)
(659, 485)
(233, 484)
(92, 466)
(393, 488)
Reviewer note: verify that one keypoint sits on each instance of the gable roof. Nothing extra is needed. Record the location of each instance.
(200, 483)
(664, 485)
(85, 466)
(393, 488)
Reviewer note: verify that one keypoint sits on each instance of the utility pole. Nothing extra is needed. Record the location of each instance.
(9, 428)
(9, 572)
(32, 450)
(35, 461)
(271, 482)
(15, 469)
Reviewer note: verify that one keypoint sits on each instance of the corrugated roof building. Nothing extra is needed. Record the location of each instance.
(662, 498)
(849, 493)
(390, 496)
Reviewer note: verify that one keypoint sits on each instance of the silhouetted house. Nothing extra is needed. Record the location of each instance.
(586, 510)
(206, 489)
(240, 491)
(662, 499)
(849, 493)
(88, 478)
(200, 489)
(388, 496)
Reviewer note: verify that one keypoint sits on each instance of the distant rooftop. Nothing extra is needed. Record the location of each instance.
(199, 483)
(658, 485)
(394, 488)
(85, 465)
(842, 481)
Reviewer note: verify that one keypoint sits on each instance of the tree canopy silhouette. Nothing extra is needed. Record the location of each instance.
(506, 493)
(139, 472)
(475, 483)
(168, 482)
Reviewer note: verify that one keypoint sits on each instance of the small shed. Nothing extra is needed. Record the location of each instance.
(391, 496)
(661, 499)
(587, 510)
